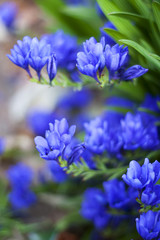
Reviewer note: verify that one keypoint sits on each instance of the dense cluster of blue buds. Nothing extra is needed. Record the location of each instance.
(129, 133)
(97, 203)
(144, 178)
(8, 14)
(96, 56)
(59, 142)
(20, 177)
(35, 53)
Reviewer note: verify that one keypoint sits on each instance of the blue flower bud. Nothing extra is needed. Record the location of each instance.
(52, 67)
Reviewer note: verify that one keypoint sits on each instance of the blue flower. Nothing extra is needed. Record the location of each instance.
(20, 54)
(52, 67)
(21, 198)
(137, 132)
(133, 72)
(109, 40)
(95, 138)
(58, 174)
(116, 58)
(56, 139)
(94, 207)
(39, 55)
(65, 47)
(2, 145)
(116, 193)
(139, 177)
(73, 152)
(92, 62)
(148, 225)
(8, 13)
(151, 195)
(20, 177)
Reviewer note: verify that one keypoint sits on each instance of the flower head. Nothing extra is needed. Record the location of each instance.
(20, 53)
(92, 62)
(148, 225)
(139, 177)
(56, 139)
(39, 54)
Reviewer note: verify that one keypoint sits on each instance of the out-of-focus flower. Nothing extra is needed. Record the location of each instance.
(116, 194)
(94, 207)
(92, 62)
(73, 152)
(20, 53)
(109, 40)
(65, 47)
(58, 174)
(8, 14)
(38, 121)
(151, 195)
(136, 133)
(52, 67)
(95, 138)
(56, 139)
(2, 145)
(139, 177)
(83, 98)
(148, 225)
(20, 177)
(133, 72)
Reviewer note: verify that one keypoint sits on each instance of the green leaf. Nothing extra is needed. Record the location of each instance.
(156, 12)
(124, 26)
(116, 35)
(142, 6)
(155, 56)
(142, 51)
(132, 16)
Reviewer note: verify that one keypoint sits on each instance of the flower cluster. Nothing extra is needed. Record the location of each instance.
(96, 203)
(35, 53)
(59, 142)
(20, 177)
(143, 178)
(128, 133)
(96, 56)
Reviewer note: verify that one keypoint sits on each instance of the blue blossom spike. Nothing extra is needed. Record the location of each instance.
(116, 57)
(139, 177)
(52, 67)
(133, 72)
(20, 53)
(148, 225)
(92, 62)
(56, 139)
(39, 54)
